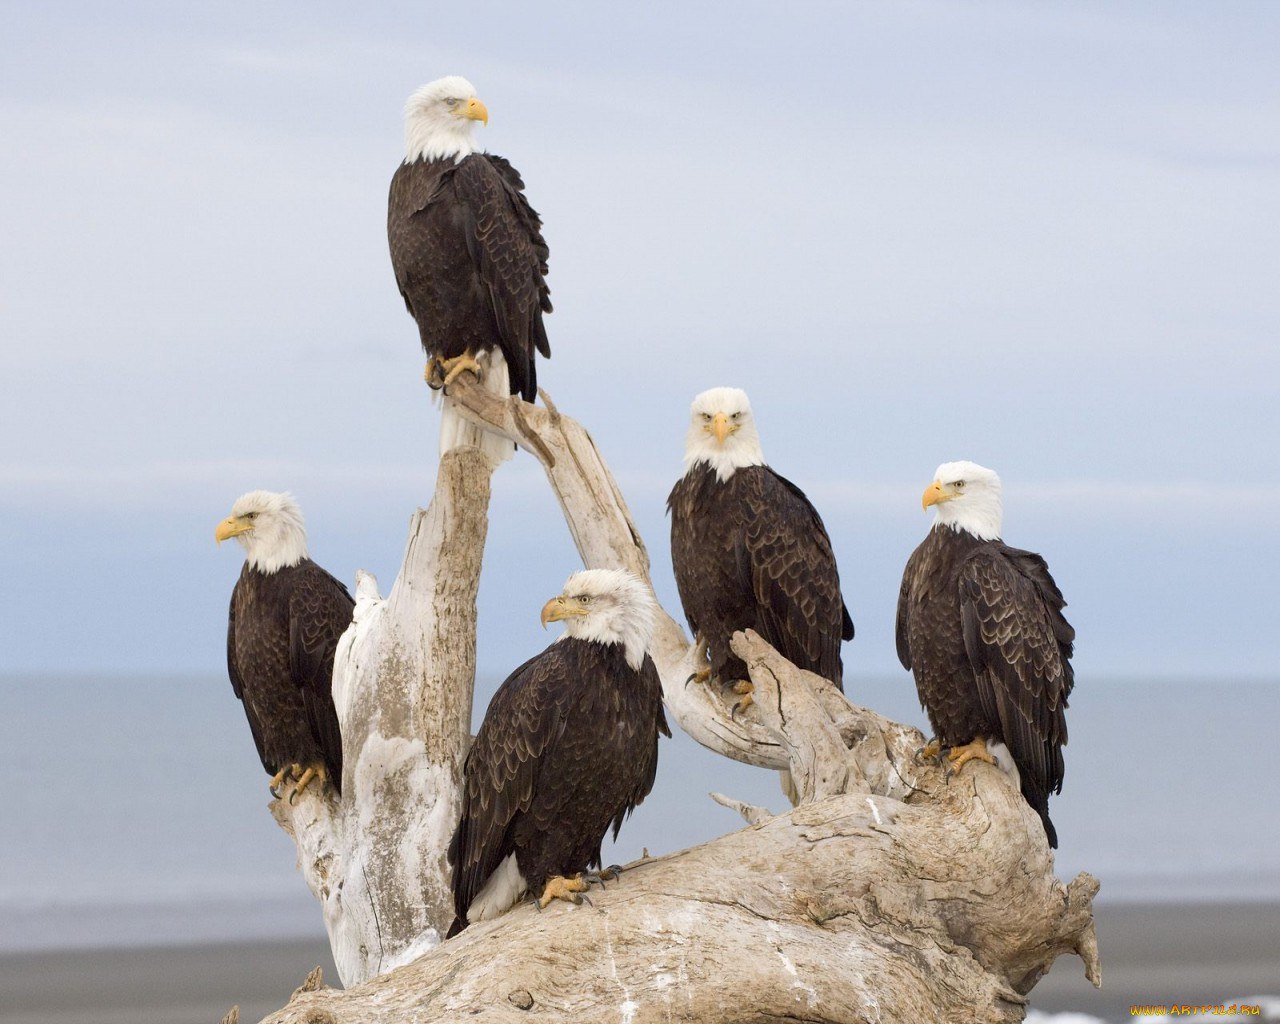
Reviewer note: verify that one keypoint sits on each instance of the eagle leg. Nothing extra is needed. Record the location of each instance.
(701, 675)
(974, 750)
(608, 874)
(434, 373)
(454, 368)
(930, 751)
(745, 688)
(315, 771)
(560, 888)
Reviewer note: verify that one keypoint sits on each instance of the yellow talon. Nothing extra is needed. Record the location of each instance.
(315, 771)
(454, 368)
(930, 750)
(975, 750)
(745, 689)
(560, 888)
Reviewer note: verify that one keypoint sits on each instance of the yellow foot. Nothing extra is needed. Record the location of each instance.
(277, 780)
(434, 373)
(315, 771)
(930, 751)
(976, 750)
(745, 689)
(454, 368)
(703, 674)
(699, 675)
(561, 888)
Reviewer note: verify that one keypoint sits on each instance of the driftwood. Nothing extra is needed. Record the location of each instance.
(890, 893)
(402, 686)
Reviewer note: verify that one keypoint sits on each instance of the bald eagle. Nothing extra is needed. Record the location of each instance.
(468, 255)
(286, 617)
(750, 551)
(568, 747)
(980, 624)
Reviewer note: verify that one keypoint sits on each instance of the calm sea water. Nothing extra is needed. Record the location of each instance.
(134, 810)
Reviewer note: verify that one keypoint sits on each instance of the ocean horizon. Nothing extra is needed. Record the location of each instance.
(136, 809)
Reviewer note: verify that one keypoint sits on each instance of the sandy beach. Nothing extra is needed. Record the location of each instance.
(172, 985)
(1198, 953)
(1170, 953)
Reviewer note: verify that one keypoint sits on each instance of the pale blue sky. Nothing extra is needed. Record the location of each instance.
(1038, 236)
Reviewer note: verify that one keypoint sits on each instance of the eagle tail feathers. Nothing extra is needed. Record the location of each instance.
(1040, 804)
(1039, 801)
(500, 892)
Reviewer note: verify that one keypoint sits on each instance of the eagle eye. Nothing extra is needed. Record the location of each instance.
(251, 515)
(706, 416)
(959, 485)
(452, 101)
(737, 415)
(585, 598)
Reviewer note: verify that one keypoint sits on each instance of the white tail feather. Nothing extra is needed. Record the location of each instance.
(500, 892)
(456, 431)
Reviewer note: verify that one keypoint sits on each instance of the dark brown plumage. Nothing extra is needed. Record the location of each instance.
(470, 261)
(751, 553)
(282, 632)
(980, 625)
(568, 747)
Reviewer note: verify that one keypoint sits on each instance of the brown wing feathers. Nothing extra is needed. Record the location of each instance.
(1022, 671)
(320, 610)
(794, 578)
(502, 768)
(510, 255)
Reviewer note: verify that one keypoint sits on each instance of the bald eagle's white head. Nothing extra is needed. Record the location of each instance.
(609, 606)
(269, 527)
(722, 433)
(966, 497)
(438, 119)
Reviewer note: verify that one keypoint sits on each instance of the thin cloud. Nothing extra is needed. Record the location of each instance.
(1187, 500)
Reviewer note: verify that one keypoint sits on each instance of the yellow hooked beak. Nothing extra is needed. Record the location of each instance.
(476, 111)
(721, 427)
(562, 608)
(935, 495)
(230, 527)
